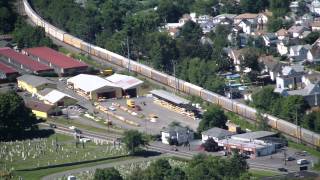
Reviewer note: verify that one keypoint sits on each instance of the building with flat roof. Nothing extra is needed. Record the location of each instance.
(169, 97)
(23, 62)
(252, 136)
(216, 134)
(7, 72)
(55, 97)
(253, 149)
(34, 84)
(129, 85)
(61, 63)
(40, 110)
(94, 87)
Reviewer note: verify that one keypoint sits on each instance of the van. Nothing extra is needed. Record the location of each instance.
(302, 161)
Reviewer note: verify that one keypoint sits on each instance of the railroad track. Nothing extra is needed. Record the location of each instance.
(304, 135)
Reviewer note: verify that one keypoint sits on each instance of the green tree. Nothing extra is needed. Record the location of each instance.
(264, 98)
(293, 107)
(213, 117)
(158, 170)
(210, 145)
(15, 117)
(262, 122)
(249, 59)
(312, 121)
(253, 6)
(169, 11)
(203, 7)
(7, 17)
(237, 164)
(107, 174)
(274, 24)
(133, 140)
(176, 174)
(279, 8)
(312, 37)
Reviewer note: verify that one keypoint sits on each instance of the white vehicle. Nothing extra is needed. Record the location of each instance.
(302, 161)
(112, 108)
(84, 140)
(72, 127)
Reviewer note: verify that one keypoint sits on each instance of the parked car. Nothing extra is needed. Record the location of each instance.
(112, 108)
(72, 127)
(52, 125)
(84, 140)
(302, 161)
(290, 158)
(283, 169)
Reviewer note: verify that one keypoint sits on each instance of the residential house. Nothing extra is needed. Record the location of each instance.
(282, 34)
(315, 26)
(313, 54)
(216, 134)
(247, 26)
(294, 6)
(291, 78)
(224, 19)
(270, 39)
(296, 31)
(271, 66)
(174, 32)
(299, 52)
(246, 16)
(178, 133)
(310, 78)
(282, 48)
(315, 7)
(311, 94)
(236, 56)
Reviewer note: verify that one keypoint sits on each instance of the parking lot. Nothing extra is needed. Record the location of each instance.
(152, 118)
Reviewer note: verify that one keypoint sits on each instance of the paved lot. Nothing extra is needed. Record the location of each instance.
(165, 116)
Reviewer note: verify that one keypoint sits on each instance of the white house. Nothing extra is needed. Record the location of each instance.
(296, 31)
(299, 52)
(181, 134)
(313, 54)
(216, 134)
(247, 26)
(282, 48)
(282, 34)
(315, 26)
(315, 7)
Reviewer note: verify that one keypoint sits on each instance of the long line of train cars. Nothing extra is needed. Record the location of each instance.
(283, 126)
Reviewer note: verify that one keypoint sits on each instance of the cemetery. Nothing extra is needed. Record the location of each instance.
(54, 152)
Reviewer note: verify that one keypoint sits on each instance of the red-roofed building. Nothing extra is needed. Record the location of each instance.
(62, 64)
(7, 72)
(23, 62)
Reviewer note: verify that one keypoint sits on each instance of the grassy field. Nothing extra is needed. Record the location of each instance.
(260, 173)
(32, 159)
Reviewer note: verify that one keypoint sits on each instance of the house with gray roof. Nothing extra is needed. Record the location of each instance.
(313, 54)
(295, 31)
(299, 52)
(291, 78)
(270, 39)
(216, 134)
(311, 94)
(271, 66)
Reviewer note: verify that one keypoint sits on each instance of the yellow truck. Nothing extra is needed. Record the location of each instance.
(106, 72)
(130, 103)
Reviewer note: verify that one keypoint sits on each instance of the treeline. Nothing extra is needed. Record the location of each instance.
(7, 16)
(24, 34)
(200, 167)
(290, 108)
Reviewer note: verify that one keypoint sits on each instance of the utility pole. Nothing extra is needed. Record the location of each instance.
(128, 48)
(174, 74)
(298, 134)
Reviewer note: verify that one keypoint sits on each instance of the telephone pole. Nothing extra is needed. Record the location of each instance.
(128, 48)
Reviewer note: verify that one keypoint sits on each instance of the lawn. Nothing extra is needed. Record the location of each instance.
(261, 173)
(34, 158)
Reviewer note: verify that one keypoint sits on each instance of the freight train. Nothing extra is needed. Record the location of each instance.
(283, 126)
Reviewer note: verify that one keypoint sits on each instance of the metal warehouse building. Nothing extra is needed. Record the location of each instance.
(33, 84)
(94, 87)
(55, 97)
(169, 97)
(130, 85)
(23, 62)
(62, 64)
(6, 72)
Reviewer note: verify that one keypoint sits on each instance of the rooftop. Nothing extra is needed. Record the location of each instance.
(253, 135)
(169, 97)
(54, 57)
(247, 16)
(217, 132)
(124, 81)
(89, 83)
(34, 81)
(38, 106)
(23, 59)
(55, 96)
(6, 69)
